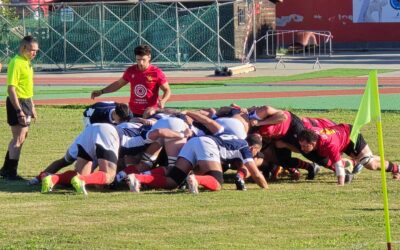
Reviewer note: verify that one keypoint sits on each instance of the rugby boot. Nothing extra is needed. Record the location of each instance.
(348, 178)
(133, 183)
(47, 184)
(240, 184)
(79, 185)
(294, 174)
(313, 170)
(193, 185)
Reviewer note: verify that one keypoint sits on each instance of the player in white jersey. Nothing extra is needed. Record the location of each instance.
(100, 112)
(97, 143)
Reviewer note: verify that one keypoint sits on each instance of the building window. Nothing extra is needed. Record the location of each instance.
(241, 16)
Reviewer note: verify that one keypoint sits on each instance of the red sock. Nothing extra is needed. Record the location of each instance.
(131, 169)
(303, 165)
(393, 167)
(155, 181)
(158, 171)
(208, 182)
(242, 172)
(64, 178)
(41, 175)
(99, 178)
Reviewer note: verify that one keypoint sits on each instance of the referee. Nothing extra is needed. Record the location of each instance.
(19, 104)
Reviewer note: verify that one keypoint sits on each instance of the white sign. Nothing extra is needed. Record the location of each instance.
(376, 11)
(67, 14)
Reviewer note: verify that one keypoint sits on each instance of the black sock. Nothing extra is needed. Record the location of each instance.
(12, 167)
(5, 169)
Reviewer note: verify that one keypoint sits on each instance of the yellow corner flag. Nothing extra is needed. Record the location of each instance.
(370, 109)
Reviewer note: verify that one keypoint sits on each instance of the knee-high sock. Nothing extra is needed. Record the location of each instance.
(392, 167)
(208, 182)
(242, 172)
(131, 169)
(155, 181)
(158, 171)
(96, 178)
(64, 178)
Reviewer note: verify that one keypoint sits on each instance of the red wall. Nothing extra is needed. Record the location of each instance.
(336, 16)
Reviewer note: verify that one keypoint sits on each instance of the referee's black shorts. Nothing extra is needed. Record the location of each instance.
(12, 116)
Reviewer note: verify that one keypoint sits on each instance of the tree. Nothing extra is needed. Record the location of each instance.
(8, 24)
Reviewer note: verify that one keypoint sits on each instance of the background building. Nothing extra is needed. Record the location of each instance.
(355, 24)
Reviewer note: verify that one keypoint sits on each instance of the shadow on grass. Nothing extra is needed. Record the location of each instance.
(17, 187)
(375, 209)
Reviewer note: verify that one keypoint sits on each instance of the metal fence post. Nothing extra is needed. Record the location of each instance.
(254, 32)
(140, 21)
(65, 41)
(218, 37)
(101, 24)
(23, 19)
(178, 53)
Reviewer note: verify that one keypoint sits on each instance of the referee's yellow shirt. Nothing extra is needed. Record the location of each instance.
(20, 75)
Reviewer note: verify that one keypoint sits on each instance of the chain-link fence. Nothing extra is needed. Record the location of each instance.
(103, 35)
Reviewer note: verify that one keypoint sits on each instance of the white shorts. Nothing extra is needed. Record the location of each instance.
(232, 126)
(102, 134)
(173, 123)
(72, 152)
(200, 149)
(86, 121)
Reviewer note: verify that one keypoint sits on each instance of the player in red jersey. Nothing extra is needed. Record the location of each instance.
(332, 141)
(280, 129)
(145, 80)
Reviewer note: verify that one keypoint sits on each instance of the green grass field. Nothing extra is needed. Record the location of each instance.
(290, 215)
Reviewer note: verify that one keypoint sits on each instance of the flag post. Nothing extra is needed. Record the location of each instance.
(370, 109)
(383, 167)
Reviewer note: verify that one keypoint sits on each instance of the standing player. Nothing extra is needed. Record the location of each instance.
(145, 80)
(19, 103)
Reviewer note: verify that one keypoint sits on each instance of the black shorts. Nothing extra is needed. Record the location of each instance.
(101, 153)
(295, 128)
(12, 116)
(355, 150)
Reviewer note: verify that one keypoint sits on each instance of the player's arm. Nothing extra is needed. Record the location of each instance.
(340, 172)
(166, 133)
(166, 94)
(110, 88)
(269, 115)
(256, 174)
(213, 126)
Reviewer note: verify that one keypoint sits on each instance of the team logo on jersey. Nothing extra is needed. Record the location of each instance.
(133, 76)
(140, 90)
(149, 78)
